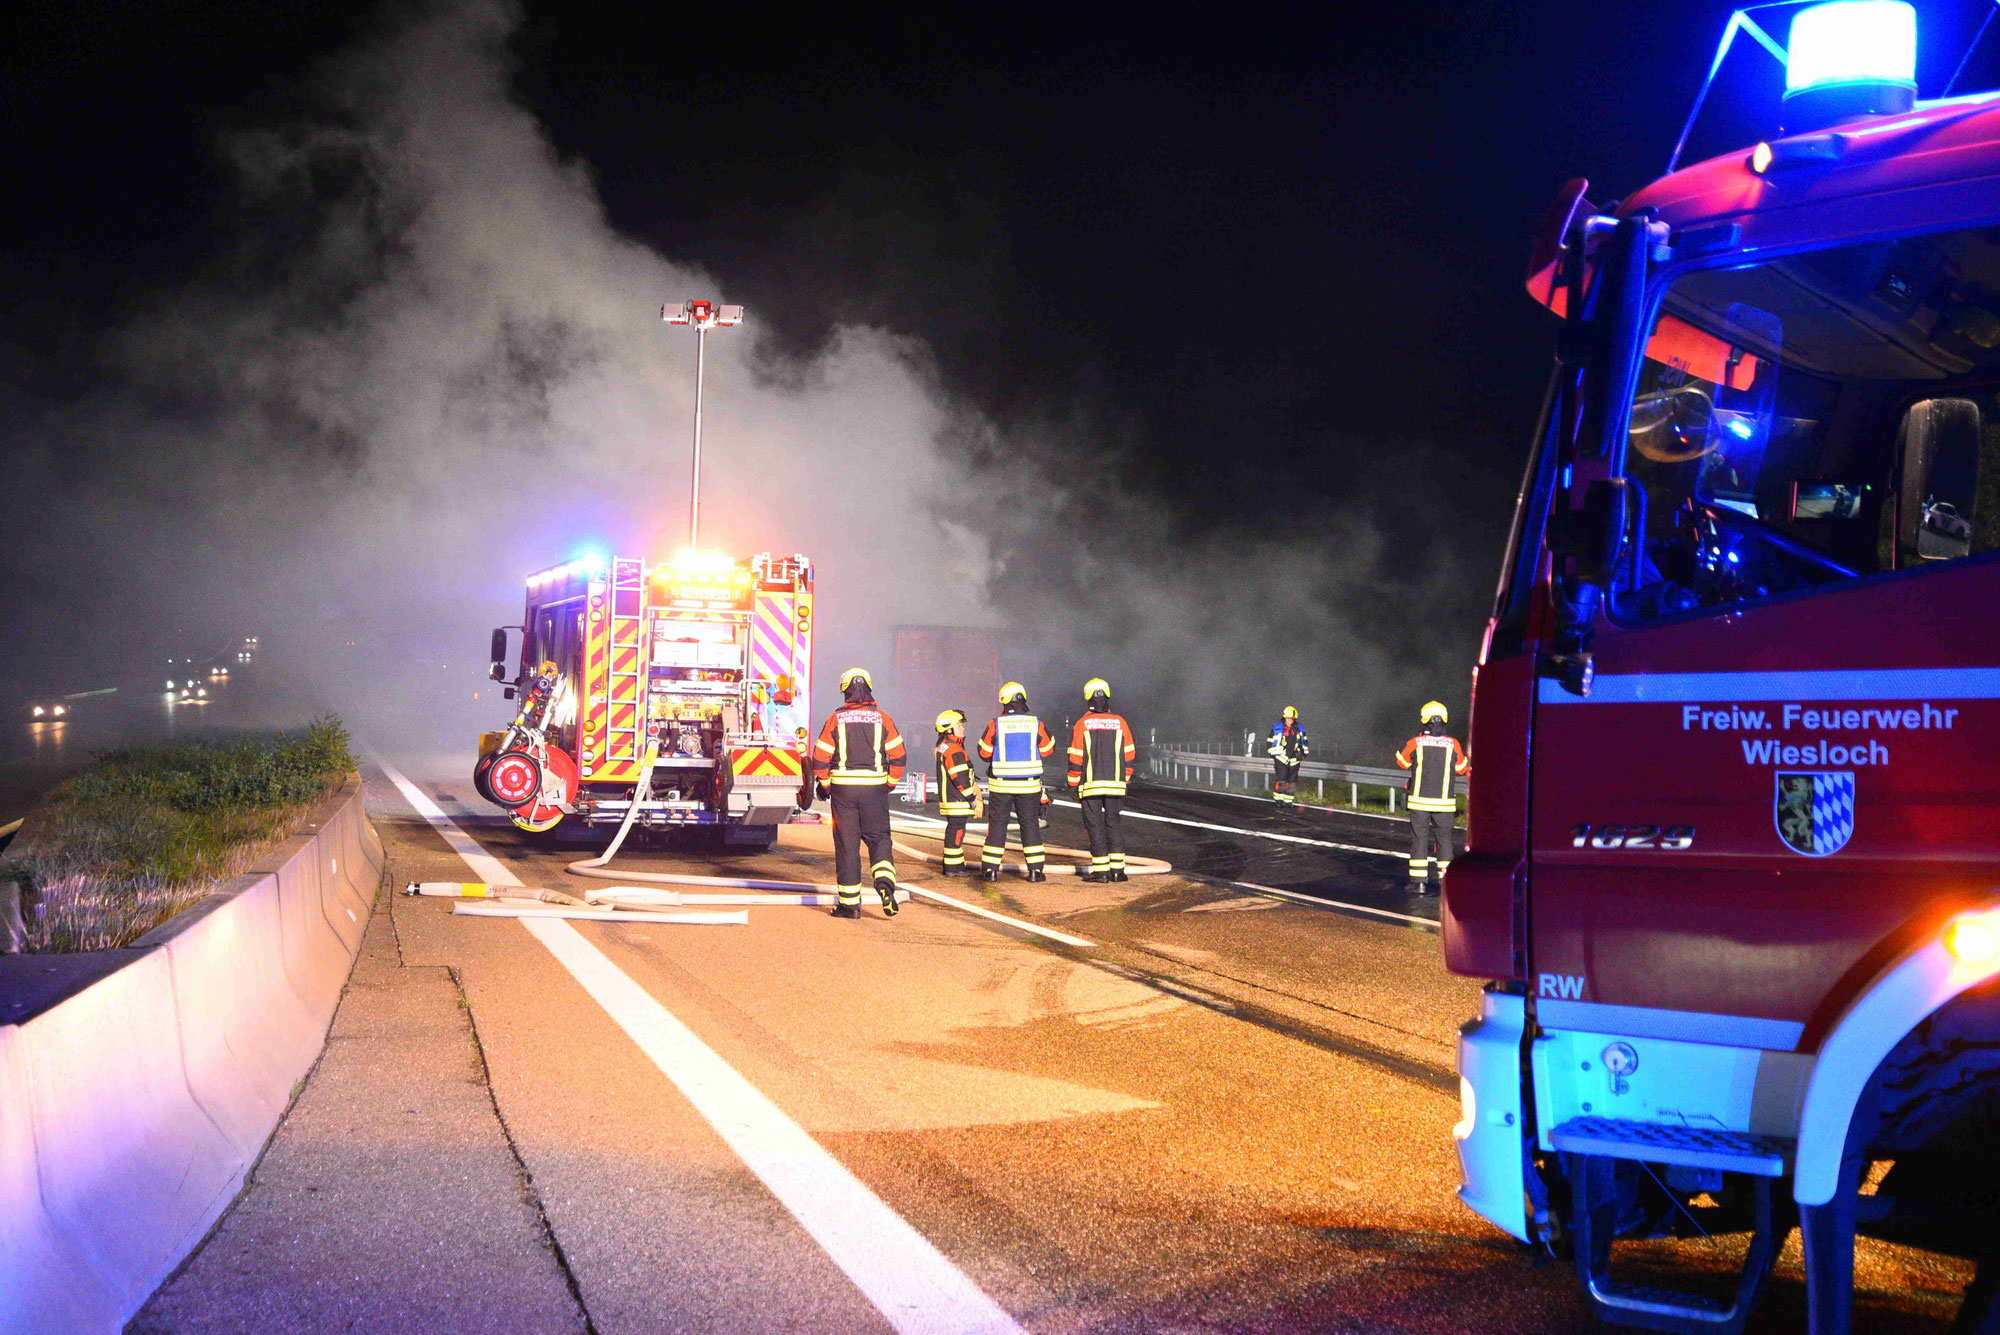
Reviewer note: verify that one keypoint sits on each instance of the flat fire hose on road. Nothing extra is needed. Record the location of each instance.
(641, 902)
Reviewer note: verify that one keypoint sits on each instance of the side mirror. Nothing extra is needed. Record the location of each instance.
(1940, 485)
(507, 694)
(498, 653)
(497, 672)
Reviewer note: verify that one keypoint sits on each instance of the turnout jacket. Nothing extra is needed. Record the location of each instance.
(1433, 760)
(1289, 743)
(957, 790)
(1023, 742)
(859, 745)
(1101, 752)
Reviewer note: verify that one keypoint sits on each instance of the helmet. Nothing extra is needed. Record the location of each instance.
(1096, 686)
(852, 675)
(950, 719)
(1013, 690)
(1291, 711)
(1433, 710)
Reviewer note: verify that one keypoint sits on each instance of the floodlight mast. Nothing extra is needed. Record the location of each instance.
(703, 315)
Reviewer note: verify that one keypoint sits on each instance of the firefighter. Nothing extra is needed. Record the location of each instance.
(1289, 746)
(1101, 755)
(1434, 760)
(1013, 747)
(858, 758)
(958, 791)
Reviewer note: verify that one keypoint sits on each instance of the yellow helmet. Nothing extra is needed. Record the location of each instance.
(849, 677)
(1291, 711)
(950, 719)
(1433, 710)
(1095, 686)
(1013, 690)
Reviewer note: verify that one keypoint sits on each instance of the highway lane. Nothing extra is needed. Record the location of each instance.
(1229, 1112)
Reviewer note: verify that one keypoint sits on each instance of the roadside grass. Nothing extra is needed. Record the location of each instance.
(113, 852)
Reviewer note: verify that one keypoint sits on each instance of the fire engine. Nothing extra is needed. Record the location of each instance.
(691, 674)
(1735, 824)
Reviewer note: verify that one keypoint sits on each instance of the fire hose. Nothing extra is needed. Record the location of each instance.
(640, 901)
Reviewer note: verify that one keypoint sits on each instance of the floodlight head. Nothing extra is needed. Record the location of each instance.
(702, 314)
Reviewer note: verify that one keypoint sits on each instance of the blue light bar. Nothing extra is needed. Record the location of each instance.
(1852, 42)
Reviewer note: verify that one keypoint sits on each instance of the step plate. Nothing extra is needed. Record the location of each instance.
(1689, 1146)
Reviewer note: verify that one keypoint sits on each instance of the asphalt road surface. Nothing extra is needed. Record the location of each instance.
(1171, 1105)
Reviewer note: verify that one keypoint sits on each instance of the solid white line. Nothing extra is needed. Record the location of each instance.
(1049, 932)
(908, 1280)
(488, 868)
(914, 1285)
(1254, 834)
(1331, 903)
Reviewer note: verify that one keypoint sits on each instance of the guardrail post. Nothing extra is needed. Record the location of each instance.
(1392, 801)
(1354, 794)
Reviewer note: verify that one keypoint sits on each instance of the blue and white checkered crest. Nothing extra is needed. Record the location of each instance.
(1813, 810)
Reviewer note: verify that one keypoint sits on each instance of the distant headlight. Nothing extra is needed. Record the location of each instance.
(60, 710)
(38, 711)
(202, 692)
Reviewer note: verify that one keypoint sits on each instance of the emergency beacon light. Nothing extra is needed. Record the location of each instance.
(1849, 58)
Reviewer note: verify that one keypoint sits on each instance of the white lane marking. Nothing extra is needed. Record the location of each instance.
(914, 1285)
(908, 1280)
(1332, 903)
(1255, 834)
(488, 868)
(1049, 932)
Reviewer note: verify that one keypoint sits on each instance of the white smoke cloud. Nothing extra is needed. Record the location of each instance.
(429, 366)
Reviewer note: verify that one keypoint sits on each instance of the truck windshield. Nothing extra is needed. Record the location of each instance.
(1815, 419)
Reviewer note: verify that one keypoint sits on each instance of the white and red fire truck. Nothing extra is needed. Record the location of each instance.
(703, 661)
(1734, 866)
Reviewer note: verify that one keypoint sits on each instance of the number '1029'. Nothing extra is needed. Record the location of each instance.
(1661, 838)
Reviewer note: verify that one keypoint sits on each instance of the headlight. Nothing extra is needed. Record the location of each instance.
(1973, 938)
(38, 711)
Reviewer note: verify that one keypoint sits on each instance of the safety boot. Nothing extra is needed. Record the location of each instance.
(1037, 874)
(1116, 876)
(1095, 877)
(846, 910)
(989, 873)
(887, 889)
(956, 871)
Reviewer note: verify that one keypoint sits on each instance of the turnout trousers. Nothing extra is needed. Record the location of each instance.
(860, 813)
(1107, 833)
(1026, 809)
(1285, 782)
(1430, 845)
(954, 840)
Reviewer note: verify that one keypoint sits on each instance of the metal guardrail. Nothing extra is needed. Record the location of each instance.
(1206, 767)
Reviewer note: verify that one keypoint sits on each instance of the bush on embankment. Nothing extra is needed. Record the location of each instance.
(114, 851)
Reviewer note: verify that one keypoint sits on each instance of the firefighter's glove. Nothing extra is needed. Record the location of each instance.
(822, 790)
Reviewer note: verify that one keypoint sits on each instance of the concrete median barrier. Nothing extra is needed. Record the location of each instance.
(133, 1105)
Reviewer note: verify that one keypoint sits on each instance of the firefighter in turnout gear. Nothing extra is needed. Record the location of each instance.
(958, 792)
(858, 758)
(1435, 761)
(1289, 747)
(1101, 756)
(1013, 748)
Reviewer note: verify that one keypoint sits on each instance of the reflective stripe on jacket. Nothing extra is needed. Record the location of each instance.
(1012, 747)
(1101, 755)
(1434, 761)
(956, 786)
(859, 745)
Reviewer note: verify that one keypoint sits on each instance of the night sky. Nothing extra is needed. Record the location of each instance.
(1259, 266)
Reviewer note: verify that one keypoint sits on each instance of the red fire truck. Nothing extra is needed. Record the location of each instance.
(1734, 866)
(703, 660)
